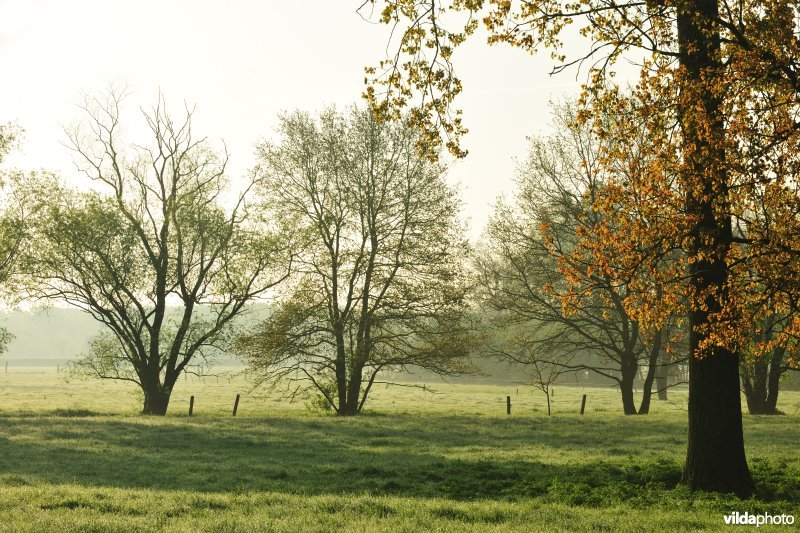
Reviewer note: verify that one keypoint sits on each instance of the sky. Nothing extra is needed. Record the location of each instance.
(241, 63)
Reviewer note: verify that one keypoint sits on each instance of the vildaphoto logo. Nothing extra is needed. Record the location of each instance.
(747, 519)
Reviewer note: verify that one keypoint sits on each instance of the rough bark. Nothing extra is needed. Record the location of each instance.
(156, 400)
(715, 458)
(351, 406)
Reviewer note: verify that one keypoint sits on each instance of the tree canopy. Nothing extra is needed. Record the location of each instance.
(152, 252)
(380, 280)
(722, 78)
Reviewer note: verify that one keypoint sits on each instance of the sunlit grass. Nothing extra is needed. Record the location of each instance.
(75, 456)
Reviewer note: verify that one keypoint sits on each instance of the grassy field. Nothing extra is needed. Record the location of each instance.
(76, 457)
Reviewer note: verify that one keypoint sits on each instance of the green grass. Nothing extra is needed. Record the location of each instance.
(75, 456)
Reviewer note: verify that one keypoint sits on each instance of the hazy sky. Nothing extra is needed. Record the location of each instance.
(240, 63)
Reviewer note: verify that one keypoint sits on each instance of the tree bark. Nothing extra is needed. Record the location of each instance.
(341, 367)
(156, 400)
(351, 406)
(662, 380)
(629, 369)
(647, 387)
(773, 381)
(547, 393)
(715, 458)
(760, 382)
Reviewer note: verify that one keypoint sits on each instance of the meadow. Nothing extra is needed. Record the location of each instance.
(75, 456)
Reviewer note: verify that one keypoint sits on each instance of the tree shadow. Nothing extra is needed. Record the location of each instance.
(453, 457)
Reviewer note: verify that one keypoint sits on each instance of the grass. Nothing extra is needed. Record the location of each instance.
(76, 457)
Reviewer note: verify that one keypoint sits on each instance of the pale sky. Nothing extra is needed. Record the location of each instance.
(240, 63)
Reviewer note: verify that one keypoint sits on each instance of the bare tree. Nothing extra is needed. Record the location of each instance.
(151, 252)
(517, 342)
(380, 283)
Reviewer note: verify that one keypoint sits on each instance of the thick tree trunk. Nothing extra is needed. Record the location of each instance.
(352, 404)
(156, 400)
(715, 458)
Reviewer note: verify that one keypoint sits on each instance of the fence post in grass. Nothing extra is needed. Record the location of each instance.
(583, 404)
(508, 405)
(191, 405)
(6, 367)
(236, 405)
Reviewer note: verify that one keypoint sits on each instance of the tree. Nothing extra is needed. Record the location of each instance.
(151, 252)
(15, 212)
(761, 376)
(719, 68)
(765, 360)
(380, 281)
(9, 135)
(536, 269)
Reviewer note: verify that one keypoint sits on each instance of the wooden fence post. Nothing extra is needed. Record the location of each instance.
(583, 403)
(236, 405)
(191, 405)
(508, 405)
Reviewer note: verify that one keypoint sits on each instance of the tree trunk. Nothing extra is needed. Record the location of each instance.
(547, 393)
(715, 458)
(341, 368)
(760, 382)
(629, 368)
(352, 404)
(662, 380)
(754, 385)
(647, 387)
(156, 400)
(773, 381)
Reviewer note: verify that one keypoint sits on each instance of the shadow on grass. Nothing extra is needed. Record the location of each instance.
(63, 413)
(571, 461)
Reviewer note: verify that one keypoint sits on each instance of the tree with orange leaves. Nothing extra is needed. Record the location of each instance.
(729, 75)
(558, 296)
